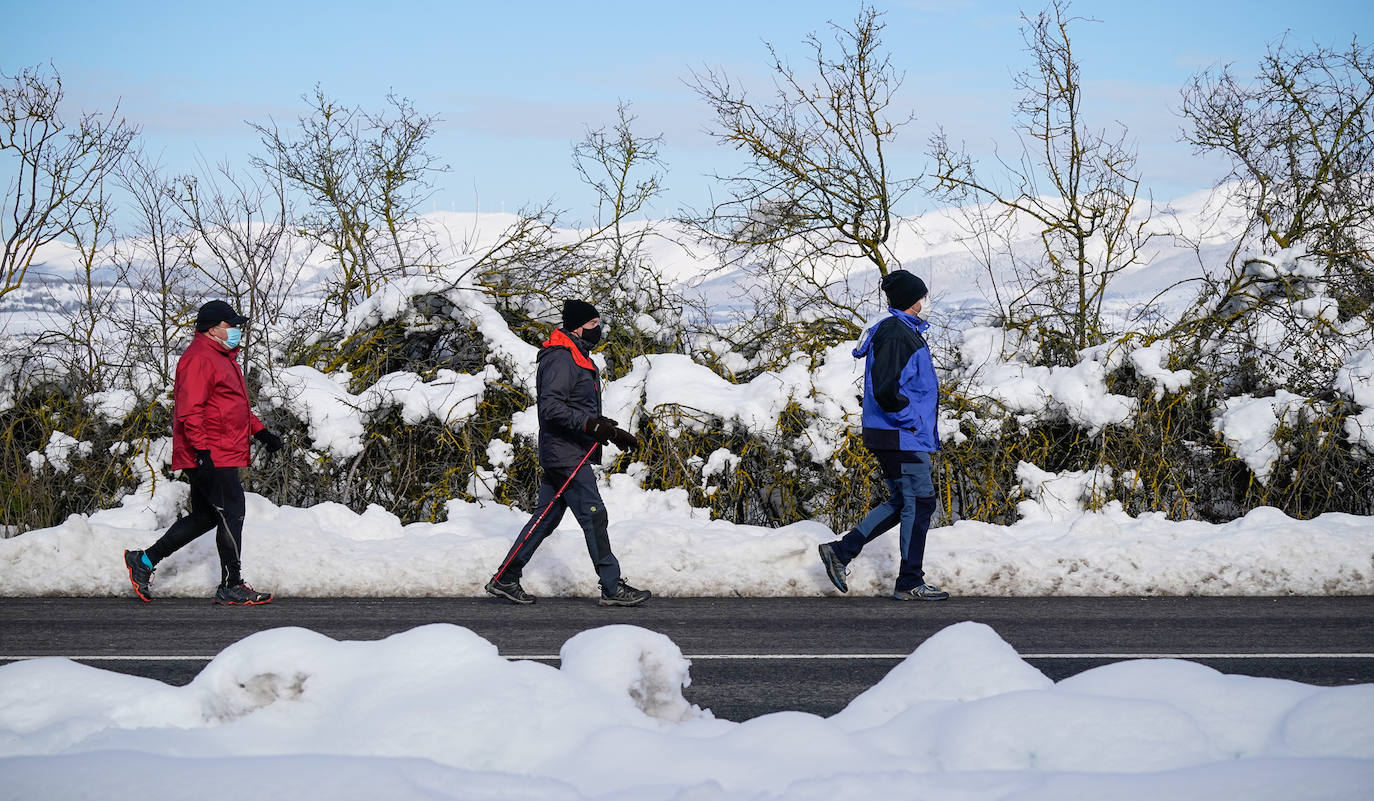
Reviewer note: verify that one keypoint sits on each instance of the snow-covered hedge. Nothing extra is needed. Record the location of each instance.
(1259, 394)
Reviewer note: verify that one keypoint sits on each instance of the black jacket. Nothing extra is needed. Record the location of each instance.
(568, 391)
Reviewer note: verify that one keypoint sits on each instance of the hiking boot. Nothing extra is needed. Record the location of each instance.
(241, 595)
(834, 568)
(510, 590)
(922, 592)
(624, 595)
(140, 575)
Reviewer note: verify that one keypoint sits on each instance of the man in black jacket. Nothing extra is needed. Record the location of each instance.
(571, 433)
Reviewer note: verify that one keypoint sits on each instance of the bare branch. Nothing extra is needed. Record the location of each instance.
(58, 168)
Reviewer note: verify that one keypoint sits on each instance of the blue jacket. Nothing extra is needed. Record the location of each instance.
(901, 392)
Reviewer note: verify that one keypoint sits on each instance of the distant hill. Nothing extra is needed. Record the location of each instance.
(931, 244)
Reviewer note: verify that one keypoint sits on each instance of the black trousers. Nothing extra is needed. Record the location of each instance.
(584, 499)
(216, 503)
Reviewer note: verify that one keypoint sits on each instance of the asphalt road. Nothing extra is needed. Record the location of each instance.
(750, 656)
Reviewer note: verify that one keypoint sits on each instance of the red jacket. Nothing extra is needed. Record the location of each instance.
(210, 406)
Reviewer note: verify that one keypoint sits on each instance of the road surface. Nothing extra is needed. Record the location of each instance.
(750, 656)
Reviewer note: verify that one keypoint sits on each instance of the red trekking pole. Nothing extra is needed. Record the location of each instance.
(535, 525)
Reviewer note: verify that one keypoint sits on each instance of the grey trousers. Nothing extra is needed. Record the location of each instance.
(584, 499)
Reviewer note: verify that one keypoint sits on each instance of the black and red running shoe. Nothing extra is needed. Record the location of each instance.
(140, 575)
(241, 595)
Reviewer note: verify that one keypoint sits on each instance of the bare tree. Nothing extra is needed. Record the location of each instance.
(1077, 185)
(611, 162)
(817, 188)
(57, 167)
(625, 171)
(363, 177)
(79, 355)
(539, 260)
(532, 257)
(100, 362)
(157, 261)
(1300, 139)
(239, 223)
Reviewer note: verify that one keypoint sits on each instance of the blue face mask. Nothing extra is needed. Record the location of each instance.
(232, 337)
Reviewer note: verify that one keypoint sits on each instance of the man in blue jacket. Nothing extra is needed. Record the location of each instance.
(571, 433)
(901, 398)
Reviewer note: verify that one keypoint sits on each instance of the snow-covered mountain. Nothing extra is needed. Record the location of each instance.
(1190, 235)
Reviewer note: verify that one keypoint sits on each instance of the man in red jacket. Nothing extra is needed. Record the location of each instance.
(211, 425)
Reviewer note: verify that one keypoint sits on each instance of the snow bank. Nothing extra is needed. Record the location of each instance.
(436, 713)
(667, 545)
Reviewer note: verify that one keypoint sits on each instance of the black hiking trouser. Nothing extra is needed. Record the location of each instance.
(216, 503)
(584, 499)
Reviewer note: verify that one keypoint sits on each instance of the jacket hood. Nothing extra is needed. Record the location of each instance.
(866, 344)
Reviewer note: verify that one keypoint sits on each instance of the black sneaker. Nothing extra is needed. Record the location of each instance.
(834, 568)
(241, 595)
(140, 575)
(624, 595)
(922, 592)
(510, 590)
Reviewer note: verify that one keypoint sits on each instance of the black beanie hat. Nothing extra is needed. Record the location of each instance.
(216, 312)
(903, 289)
(576, 313)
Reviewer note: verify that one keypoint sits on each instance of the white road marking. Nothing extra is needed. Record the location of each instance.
(746, 657)
(124, 658)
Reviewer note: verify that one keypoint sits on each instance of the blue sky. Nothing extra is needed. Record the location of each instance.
(516, 85)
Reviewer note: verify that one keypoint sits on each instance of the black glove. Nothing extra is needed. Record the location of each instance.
(624, 440)
(269, 440)
(601, 429)
(203, 460)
